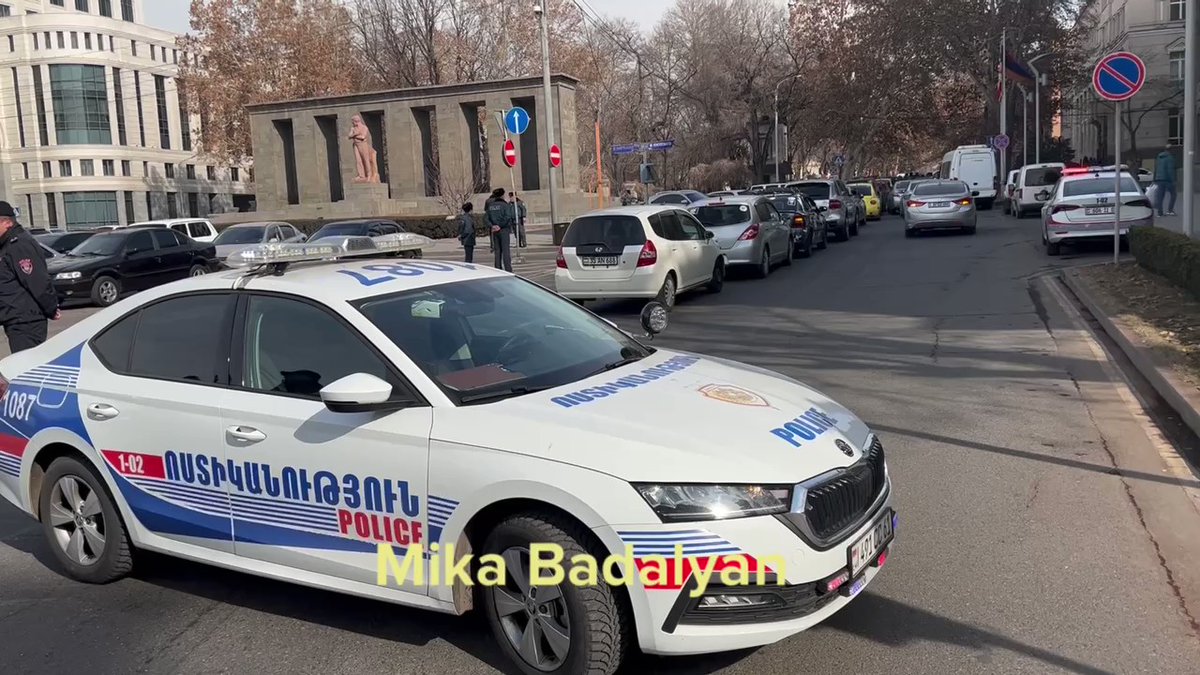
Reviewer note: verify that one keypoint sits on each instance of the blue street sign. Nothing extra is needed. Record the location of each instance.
(516, 120)
(1119, 76)
(661, 145)
(627, 149)
(1000, 142)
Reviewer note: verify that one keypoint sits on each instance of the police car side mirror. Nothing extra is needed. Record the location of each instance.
(654, 318)
(359, 392)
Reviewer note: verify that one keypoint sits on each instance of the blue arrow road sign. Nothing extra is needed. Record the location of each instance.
(516, 121)
(627, 149)
(1119, 76)
(661, 145)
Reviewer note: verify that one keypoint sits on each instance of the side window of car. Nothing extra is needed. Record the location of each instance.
(165, 238)
(296, 348)
(183, 339)
(765, 212)
(114, 344)
(198, 229)
(180, 227)
(374, 230)
(689, 226)
(656, 224)
(139, 242)
(273, 233)
(182, 239)
(389, 228)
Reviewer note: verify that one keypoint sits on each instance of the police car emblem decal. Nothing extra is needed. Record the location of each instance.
(728, 393)
(26, 266)
(844, 447)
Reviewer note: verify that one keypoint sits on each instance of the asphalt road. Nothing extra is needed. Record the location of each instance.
(1021, 549)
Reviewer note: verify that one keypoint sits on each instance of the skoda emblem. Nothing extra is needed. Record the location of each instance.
(844, 447)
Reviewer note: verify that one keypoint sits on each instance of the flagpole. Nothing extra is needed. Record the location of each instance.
(1003, 102)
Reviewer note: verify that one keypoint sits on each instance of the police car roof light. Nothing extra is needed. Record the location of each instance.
(333, 249)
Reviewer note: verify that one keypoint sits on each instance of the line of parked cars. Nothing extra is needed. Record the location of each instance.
(681, 242)
(103, 264)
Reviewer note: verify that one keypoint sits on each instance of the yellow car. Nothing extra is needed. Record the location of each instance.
(871, 198)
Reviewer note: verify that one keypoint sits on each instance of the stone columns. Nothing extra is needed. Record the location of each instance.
(406, 170)
(454, 145)
(309, 167)
(270, 182)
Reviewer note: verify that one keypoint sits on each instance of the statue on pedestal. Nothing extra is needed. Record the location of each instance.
(364, 152)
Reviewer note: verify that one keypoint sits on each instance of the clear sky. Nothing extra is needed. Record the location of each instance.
(173, 14)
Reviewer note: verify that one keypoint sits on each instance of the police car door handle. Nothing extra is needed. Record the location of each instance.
(248, 434)
(101, 412)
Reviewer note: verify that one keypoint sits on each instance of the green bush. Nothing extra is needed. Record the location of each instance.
(434, 227)
(1168, 254)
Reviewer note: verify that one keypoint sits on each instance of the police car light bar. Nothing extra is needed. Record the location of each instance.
(335, 248)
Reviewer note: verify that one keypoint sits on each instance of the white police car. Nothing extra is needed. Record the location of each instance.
(297, 421)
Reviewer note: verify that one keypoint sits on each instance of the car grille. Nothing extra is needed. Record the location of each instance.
(842, 502)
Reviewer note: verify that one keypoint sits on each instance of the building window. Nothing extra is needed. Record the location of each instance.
(51, 210)
(74, 41)
(149, 207)
(81, 5)
(109, 169)
(106, 8)
(152, 53)
(146, 169)
(1177, 60)
(233, 174)
(87, 41)
(25, 170)
(190, 171)
(212, 173)
(169, 170)
(119, 99)
(80, 104)
(88, 210)
(64, 168)
(185, 121)
(172, 205)
(1175, 10)
(29, 207)
(1174, 127)
(87, 167)
(127, 10)
(164, 123)
(47, 40)
(137, 93)
(126, 168)
(46, 170)
(193, 205)
(57, 3)
(112, 44)
(20, 113)
(129, 217)
(175, 56)
(35, 41)
(39, 100)
(133, 47)
(12, 43)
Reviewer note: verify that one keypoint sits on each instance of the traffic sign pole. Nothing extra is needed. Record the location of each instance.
(1118, 77)
(1117, 191)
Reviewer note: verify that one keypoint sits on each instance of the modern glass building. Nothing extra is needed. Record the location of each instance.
(94, 127)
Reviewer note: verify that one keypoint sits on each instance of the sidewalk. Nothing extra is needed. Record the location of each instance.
(534, 262)
(1175, 222)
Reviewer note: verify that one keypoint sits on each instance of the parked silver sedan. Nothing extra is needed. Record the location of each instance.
(940, 205)
(236, 237)
(748, 230)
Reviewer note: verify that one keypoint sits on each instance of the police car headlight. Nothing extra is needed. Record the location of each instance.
(68, 276)
(675, 503)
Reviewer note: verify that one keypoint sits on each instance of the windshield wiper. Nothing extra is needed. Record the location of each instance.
(616, 364)
(500, 394)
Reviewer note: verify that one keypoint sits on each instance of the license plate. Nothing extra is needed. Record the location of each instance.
(1098, 211)
(601, 261)
(864, 551)
(939, 205)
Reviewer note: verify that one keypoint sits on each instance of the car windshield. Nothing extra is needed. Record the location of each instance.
(901, 186)
(488, 339)
(717, 215)
(341, 229)
(105, 243)
(1041, 177)
(1097, 186)
(669, 199)
(786, 203)
(861, 190)
(948, 189)
(814, 190)
(240, 235)
(615, 232)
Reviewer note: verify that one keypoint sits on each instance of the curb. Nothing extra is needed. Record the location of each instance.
(1166, 383)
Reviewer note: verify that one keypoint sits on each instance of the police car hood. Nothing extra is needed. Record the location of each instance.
(677, 417)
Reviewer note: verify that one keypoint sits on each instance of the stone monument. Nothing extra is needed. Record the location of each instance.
(364, 152)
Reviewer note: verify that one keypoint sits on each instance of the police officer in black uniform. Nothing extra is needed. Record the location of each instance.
(27, 297)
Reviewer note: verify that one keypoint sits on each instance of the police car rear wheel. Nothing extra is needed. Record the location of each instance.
(82, 525)
(106, 291)
(553, 629)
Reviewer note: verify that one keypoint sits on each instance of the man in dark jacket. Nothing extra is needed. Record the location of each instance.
(466, 232)
(500, 221)
(27, 297)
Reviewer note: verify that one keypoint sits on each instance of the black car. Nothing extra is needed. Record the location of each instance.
(63, 242)
(808, 222)
(363, 228)
(110, 263)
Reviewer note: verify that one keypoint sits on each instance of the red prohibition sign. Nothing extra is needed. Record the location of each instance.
(555, 156)
(510, 153)
(1119, 76)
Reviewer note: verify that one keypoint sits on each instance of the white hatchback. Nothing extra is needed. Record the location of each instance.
(638, 252)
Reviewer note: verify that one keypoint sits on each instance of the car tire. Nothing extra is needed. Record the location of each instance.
(717, 281)
(764, 265)
(806, 251)
(853, 229)
(669, 292)
(598, 625)
(843, 234)
(787, 257)
(971, 230)
(93, 522)
(198, 271)
(105, 291)
(1053, 248)
(824, 243)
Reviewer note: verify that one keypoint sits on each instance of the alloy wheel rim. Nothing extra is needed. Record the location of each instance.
(77, 520)
(766, 261)
(108, 291)
(534, 619)
(669, 292)
(198, 272)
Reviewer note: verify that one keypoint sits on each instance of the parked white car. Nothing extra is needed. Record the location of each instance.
(199, 229)
(1032, 179)
(638, 252)
(1082, 207)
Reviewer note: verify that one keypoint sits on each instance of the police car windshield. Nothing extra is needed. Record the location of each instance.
(240, 235)
(105, 243)
(486, 339)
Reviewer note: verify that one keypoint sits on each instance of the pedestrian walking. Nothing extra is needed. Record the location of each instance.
(466, 232)
(27, 297)
(500, 222)
(521, 214)
(498, 193)
(1164, 179)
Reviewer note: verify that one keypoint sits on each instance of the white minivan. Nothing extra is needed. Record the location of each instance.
(198, 229)
(1032, 179)
(974, 165)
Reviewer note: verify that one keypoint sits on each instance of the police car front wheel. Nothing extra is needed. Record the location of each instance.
(563, 629)
(82, 525)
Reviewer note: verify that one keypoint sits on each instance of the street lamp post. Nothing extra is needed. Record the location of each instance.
(1024, 125)
(1189, 121)
(540, 9)
(1038, 81)
(775, 129)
